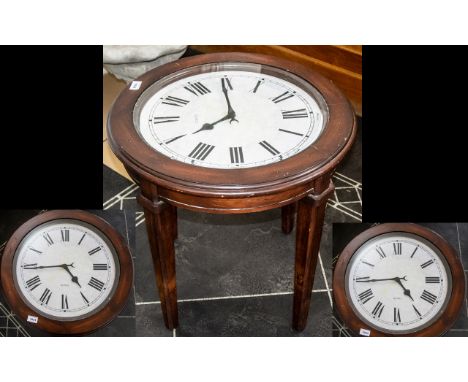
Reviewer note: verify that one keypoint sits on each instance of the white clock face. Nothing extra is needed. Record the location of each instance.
(231, 118)
(66, 269)
(398, 283)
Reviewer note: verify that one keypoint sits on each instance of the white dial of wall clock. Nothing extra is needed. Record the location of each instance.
(398, 283)
(65, 269)
(235, 117)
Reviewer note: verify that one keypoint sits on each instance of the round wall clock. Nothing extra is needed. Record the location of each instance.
(66, 272)
(398, 280)
(231, 133)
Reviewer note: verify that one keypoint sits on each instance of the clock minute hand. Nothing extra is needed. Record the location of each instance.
(28, 266)
(374, 280)
(231, 113)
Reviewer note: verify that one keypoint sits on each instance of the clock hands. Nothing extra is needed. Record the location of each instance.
(406, 291)
(231, 114)
(74, 278)
(374, 280)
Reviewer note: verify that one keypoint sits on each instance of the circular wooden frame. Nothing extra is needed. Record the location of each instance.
(218, 190)
(446, 319)
(94, 321)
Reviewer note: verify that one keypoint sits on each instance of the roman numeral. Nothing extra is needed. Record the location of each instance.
(165, 119)
(100, 267)
(369, 264)
(417, 312)
(379, 307)
(45, 297)
(228, 83)
(47, 238)
(268, 147)
(427, 263)
(236, 154)
(175, 101)
(365, 296)
(82, 237)
(429, 297)
(33, 283)
(433, 280)
(64, 302)
(299, 113)
(201, 151)
(93, 251)
(282, 97)
(84, 298)
(381, 252)
(197, 88)
(65, 234)
(361, 279)
(396, 315)
(414, 252)
(35, 250)
(397, 248)
(291, 132)
(29, 266)
(96, 284)
(259, 82)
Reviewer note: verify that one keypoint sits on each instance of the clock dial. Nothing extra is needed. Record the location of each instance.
(66, 269)
(237, 116)
(398, 283)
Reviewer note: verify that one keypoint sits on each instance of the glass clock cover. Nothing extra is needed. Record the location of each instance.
(230, 115)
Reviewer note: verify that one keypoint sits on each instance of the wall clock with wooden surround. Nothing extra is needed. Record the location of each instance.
(398, 280)
(232, 133)
(66, 272)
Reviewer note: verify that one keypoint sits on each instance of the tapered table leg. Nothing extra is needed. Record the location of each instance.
(287, 217)
(160, 222)
(310, 217)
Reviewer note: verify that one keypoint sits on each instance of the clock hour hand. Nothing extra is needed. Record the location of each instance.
(210, 126)
(406, 291)
(231, 113)
(74, 278)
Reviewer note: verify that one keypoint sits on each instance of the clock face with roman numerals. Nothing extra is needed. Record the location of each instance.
(398, 283)
(230, 115)
(65, 269)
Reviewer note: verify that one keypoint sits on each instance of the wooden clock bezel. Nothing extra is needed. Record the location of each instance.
(218, 190)
(78, 327)
(452, 309)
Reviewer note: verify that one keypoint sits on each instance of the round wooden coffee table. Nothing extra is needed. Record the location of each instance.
(293, 129)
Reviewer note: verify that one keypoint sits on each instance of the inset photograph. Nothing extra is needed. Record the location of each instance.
(67, 272)
(400, 279)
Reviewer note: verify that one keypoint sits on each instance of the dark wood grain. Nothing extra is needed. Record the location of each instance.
(160, 222)
(310, 215)
(86, 325)
(448, 317)
(287, 217)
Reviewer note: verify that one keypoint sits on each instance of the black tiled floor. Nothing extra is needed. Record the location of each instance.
(261, 316)
(219, 256)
